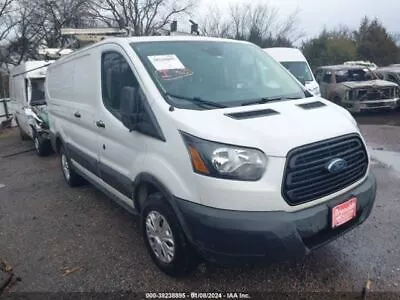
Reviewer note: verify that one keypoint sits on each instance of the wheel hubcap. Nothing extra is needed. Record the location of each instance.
(65, 166)
(160, 237)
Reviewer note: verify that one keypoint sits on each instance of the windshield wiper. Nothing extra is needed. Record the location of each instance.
(197, 100)
(268, 99)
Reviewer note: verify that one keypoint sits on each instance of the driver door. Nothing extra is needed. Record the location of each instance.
(119, 148)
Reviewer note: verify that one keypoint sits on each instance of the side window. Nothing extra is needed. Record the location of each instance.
(393, 79)
(327, 78)
(115, 74)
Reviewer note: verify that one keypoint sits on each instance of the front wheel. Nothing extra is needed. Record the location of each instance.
(165, 239)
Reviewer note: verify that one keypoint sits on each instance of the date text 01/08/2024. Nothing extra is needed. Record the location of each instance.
(195, 295)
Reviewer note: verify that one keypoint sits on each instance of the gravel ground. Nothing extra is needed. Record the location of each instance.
(47, 228)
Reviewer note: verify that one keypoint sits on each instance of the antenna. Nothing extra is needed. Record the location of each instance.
(174, 26)
(194, 28)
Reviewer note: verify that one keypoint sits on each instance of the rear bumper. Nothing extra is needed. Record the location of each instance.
(231, 236)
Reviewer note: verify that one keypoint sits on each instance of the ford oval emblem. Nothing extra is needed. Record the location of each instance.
(336, 165)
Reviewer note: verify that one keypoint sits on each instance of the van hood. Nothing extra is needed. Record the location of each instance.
(275, 134)
(369, 83)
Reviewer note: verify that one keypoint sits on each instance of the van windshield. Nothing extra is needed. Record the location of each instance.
(37, 91)
(299, 69)
(222, 73)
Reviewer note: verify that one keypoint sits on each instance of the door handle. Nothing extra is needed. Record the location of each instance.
(77, 114)
(100, 124)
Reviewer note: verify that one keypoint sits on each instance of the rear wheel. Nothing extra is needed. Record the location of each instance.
(165, 239)
(71, 177)
(42, 145)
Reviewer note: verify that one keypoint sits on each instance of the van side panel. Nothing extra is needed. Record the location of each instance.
(18, 95)
(72, 95)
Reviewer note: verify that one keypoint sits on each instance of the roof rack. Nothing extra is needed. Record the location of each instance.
(87, 36)
(84, 36)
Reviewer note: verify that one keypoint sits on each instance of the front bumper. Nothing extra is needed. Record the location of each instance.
(369, 105)
(233, 236)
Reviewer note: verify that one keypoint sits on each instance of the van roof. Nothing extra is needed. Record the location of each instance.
(142, 39)
(138, 39)
(341, 67)
(282, 54)
(33, 68)
(389, 69)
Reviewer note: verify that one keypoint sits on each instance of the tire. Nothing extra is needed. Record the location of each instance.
(71, 177)
(184, 259)
(42, 145)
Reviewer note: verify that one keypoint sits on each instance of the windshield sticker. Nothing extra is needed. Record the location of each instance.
(166, 62)
(174, 74)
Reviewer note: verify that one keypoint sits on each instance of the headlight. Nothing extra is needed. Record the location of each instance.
(225, 161)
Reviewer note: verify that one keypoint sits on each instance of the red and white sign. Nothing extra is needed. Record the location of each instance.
(344, 212)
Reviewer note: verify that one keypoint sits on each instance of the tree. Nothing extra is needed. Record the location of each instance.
(6, 20)
(48, 17)
(255, 22)
(330, 47)
(215, 25)
(374, 43)
(144, 17)
(39, 24)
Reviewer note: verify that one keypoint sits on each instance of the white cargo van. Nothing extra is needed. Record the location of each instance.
(28, 98)
(294, 60)
(220, 150)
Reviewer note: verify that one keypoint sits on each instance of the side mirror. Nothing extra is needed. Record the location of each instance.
(129, 104)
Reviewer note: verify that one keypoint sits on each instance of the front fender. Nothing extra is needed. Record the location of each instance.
(165, 173)
(166, 179)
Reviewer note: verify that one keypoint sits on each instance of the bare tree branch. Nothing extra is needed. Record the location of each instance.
(259, 23)
(144, 17)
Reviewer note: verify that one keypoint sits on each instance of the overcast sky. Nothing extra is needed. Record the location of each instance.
(315, 14)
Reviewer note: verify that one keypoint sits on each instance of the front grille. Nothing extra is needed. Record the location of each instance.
(376, 94)
(306, 177)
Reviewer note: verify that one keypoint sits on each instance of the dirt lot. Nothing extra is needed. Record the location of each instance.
(48, 229)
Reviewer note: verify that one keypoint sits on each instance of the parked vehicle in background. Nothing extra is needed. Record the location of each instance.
(357, 88)
(27, 92)
(366, 64)
(223, 153)
(294, 61)
(390, 73)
